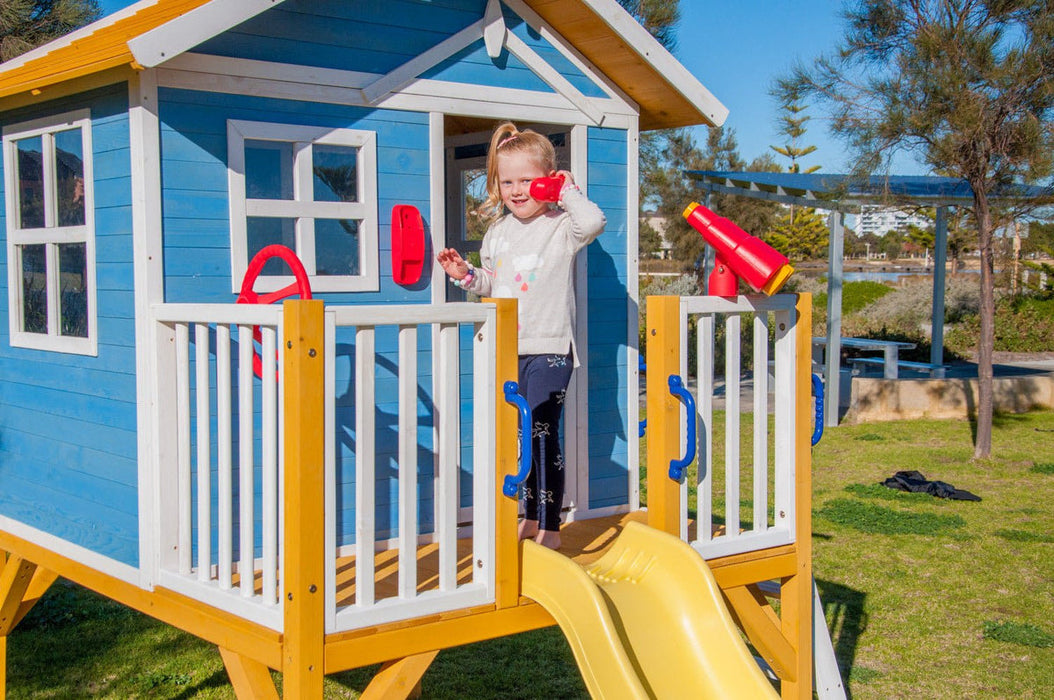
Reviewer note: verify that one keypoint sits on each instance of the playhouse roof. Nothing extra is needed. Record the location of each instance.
(153, 31)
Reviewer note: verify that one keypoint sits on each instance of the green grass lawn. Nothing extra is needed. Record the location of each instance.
(926, 598)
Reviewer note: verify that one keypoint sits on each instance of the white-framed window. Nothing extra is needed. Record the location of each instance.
(50, 215)
(311, 189)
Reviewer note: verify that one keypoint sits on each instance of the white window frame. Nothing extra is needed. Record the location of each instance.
(302, 207)
(51, 235)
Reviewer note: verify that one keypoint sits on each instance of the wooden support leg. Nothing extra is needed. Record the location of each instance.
(14, 580)
(763, 633)
(399, 679)
(796, 616)
(251, 679)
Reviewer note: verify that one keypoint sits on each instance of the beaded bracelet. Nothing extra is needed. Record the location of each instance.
(465, 281)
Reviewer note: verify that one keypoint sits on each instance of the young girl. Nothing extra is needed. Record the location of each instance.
(528, 254)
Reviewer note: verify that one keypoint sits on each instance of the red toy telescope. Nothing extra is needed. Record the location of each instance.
(739, 255)
(547, 189)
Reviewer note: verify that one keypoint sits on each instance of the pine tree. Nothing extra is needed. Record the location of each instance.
(25, 24)
(967, 85)
(798, 232)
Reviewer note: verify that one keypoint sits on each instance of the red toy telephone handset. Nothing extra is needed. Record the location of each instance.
(547, 189)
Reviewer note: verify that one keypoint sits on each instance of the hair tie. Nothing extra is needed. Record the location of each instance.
(501, 144)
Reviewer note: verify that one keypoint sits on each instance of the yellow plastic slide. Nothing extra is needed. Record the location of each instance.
(646, 620)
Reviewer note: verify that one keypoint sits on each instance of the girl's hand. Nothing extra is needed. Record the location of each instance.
(569, 180)
(452, 263)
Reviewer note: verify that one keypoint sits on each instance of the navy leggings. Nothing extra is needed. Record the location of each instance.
(543, 383)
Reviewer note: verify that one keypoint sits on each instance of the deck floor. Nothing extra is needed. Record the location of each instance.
(584, 541)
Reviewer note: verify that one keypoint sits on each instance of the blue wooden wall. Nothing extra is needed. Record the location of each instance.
(68, 422)
(608, 323)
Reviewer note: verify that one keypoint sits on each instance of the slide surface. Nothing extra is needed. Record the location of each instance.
(646, 620)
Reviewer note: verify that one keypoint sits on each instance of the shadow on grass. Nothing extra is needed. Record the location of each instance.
(843, 608)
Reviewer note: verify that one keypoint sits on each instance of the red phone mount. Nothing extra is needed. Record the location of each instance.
(547, 189)
(408, 244)
(739, 255)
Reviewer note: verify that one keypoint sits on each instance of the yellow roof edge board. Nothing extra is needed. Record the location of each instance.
(651, 598)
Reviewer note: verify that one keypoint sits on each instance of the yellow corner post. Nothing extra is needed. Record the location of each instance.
(507, 561)
(796, 590)
(304, 567)
(662, 410)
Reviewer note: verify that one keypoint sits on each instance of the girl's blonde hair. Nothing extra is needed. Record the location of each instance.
(506, 140)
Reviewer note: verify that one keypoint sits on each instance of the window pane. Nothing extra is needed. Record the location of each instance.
(31, 182)
(69, 176)
(268, 170)
(265, 231)
(474, 191)
(34, 289)
(73, 286)
(336, 247)
(336, 173)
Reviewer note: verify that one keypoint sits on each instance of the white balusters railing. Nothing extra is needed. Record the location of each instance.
(437, 329)
(220, 525)
(220, 544)
(770, 466)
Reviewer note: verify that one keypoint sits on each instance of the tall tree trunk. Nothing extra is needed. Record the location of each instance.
(986, 341)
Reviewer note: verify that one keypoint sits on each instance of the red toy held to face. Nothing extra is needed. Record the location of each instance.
(547, 189)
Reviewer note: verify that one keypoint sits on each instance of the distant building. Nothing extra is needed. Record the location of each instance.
(881, 220)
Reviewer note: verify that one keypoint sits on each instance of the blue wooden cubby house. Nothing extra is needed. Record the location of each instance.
(146, 159)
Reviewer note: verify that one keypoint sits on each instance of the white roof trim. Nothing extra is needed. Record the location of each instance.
(518, 48)
(649, 49)
(67, 39)
(407, 73)
(494, 28)
(187, 31)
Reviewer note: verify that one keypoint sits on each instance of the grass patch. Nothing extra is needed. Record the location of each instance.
(1025, 536)
(1018, 633)
(1043, 468)
(887, 494)
(894, 604)
(876, 519)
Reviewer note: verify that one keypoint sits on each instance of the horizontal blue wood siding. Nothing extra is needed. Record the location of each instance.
(68, 448)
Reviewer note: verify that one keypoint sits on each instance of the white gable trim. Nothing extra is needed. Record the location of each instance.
(187, 31)
(494, 28)
(238, 76)
(654, 54)
(408, 72)
(518, 48)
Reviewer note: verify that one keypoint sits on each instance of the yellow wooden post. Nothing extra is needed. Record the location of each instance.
(796, 590)
(3, 641)
(304, 569)
(507, 557)
(663, 411)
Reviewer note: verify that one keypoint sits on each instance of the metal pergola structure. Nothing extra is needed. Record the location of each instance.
(841, 194)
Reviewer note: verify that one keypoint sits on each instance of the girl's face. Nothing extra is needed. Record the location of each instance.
(515, 172)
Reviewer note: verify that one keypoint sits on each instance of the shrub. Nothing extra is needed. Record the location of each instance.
(1022, 324)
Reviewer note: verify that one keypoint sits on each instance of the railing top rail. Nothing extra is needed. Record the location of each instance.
(255, 314)
(741, 304)
(459, 312)
(373, 315)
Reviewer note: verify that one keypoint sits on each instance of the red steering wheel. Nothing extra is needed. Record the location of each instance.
(301, 287)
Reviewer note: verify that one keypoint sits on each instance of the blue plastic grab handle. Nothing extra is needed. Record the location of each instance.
(817, 392)
(677, 466)
(512, 482)
(644, 423)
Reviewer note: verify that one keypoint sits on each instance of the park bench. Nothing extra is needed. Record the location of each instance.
(936, 371)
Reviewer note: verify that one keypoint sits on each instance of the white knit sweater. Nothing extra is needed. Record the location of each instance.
(532, 261)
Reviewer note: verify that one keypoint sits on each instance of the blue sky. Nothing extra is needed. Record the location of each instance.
(737, 49)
